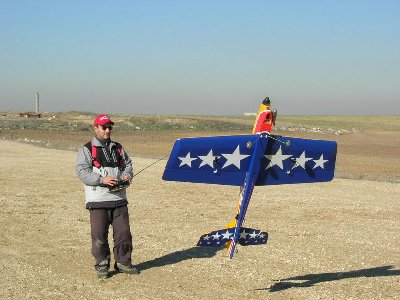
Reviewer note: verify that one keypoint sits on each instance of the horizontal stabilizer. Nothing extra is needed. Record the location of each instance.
(247, 237)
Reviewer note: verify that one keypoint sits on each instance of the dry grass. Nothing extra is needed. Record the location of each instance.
(367, 145)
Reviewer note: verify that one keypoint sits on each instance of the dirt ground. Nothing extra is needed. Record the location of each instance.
(335, 240)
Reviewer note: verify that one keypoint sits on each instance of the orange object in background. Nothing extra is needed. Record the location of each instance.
(264, 122)
(265, 117)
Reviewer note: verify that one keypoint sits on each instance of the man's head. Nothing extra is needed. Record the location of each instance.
(103, 126)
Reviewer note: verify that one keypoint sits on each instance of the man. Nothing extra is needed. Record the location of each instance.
(105, 169)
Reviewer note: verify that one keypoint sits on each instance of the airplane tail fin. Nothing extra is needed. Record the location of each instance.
(231, 224)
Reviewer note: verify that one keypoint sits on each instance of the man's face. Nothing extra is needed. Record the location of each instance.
(103, 132)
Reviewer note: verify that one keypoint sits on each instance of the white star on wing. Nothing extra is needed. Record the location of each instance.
(234, 158)
(187, 160)
(276, 159)
(320, 162)
(301, 161)
(208, 159)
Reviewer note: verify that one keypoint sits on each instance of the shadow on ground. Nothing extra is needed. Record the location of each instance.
(313, 279)
(178, 256)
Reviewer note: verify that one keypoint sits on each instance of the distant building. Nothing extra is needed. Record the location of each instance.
(29, 115)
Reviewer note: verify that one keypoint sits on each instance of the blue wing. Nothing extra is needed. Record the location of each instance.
(226, 159)
(294, 160)
(216, 160)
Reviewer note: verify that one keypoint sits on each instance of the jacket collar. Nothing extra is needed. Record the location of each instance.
(98, 143)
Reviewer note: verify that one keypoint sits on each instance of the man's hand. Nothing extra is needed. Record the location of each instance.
(108, 180)
(127, 178)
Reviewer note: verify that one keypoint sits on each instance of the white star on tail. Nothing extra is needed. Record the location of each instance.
(243, 234)
(234, 158)
(320, 162)
(216, 236)
(187, 160)
(253, 235)
(208, 159)
(276, 159)
(226, 235)
(301, 161)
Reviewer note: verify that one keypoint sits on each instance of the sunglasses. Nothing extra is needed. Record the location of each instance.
(106, 127)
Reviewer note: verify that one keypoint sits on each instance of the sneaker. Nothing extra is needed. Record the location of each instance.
(102, 269)
(126, 268)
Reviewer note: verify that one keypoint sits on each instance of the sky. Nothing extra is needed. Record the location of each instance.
(213, 57)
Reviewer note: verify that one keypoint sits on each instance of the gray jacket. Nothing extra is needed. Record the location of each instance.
(95, 194)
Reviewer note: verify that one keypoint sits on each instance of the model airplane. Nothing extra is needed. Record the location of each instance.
(248, 161)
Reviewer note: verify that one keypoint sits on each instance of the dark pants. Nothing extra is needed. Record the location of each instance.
(100, 221)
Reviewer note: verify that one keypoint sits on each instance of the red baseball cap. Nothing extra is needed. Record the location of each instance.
(102, 120)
